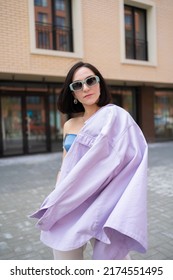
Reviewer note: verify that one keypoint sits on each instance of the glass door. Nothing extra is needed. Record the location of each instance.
(11, 123)
(36, 124)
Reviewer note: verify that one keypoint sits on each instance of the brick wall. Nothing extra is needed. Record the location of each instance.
(101, 43)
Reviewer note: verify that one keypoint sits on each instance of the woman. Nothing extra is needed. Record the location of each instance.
(100, 194)
(81, 97)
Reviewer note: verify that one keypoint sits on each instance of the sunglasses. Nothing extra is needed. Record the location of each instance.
(90, 82)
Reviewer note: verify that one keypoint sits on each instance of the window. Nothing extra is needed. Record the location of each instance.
(53, 25)
(125, 98)
(60, 21)
(60, 5)
(43, 32)
(33, 100)
(163, 114)
(42, 3)
(64, 41)
(138, 32)
(42, 18)
(135, 33)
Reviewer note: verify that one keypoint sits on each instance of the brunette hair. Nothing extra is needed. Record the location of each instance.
(66, 100)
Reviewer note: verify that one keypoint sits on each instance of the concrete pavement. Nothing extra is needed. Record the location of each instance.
(25, 181)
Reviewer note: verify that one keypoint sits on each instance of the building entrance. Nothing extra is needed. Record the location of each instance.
(24, 128)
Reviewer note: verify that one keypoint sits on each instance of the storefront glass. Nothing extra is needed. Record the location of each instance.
(163, 115)
(11, 123)
(36, 123)
(29, 119)
(56, 122)
(125, 99)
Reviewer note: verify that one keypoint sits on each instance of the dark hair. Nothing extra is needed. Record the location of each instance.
(66, 100)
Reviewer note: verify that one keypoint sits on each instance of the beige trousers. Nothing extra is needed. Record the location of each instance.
(76, 254)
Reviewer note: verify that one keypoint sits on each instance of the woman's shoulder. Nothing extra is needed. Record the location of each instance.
(71, 122)
(72, 125)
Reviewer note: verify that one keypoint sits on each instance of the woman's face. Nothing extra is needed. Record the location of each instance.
(87, 95)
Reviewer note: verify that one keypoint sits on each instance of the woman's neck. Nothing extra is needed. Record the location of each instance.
(89, 111)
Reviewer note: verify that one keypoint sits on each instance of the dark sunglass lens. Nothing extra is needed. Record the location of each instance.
(77, 86)
(91, 81)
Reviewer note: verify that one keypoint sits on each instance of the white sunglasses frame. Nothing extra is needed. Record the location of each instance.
(84, 82)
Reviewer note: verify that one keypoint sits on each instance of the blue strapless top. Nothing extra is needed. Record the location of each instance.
(68, 141)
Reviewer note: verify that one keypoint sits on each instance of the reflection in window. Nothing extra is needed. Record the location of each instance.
(60, 21)
(56, 122)
(33, 100)
(163, 114)
(42, 3)
(43, 33)
(124, 99)
(11, 122)
(52, 23)
(135, 33)
(60, 5)
(42, 18)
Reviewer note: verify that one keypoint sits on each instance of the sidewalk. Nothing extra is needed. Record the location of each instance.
(25, 181)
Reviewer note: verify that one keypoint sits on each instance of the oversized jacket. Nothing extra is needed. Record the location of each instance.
(102, 189)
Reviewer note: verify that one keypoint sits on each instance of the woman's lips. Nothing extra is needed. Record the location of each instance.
(88, 95)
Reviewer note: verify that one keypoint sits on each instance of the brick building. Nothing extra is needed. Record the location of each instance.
(129, 41)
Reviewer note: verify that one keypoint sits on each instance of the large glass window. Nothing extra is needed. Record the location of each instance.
(53, 25)
(163, 114)
(56, 122)
(29, 120)
(125, 99)
(36, 123)
(135, 33)
(11, 123)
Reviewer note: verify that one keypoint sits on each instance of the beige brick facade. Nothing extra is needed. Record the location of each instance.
(101, 34)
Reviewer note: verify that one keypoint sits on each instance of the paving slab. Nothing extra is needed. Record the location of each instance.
(25, 181)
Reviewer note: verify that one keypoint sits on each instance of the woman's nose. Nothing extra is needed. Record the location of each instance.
(85, 87)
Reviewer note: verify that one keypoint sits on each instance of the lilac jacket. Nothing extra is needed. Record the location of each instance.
(102, 189)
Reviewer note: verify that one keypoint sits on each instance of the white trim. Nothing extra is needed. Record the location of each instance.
(139, 3)
(77, 27)
(151, 31)
(77, 33)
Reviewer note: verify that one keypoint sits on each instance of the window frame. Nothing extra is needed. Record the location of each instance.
(151, 31)
(133, 38)
(77, 33)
